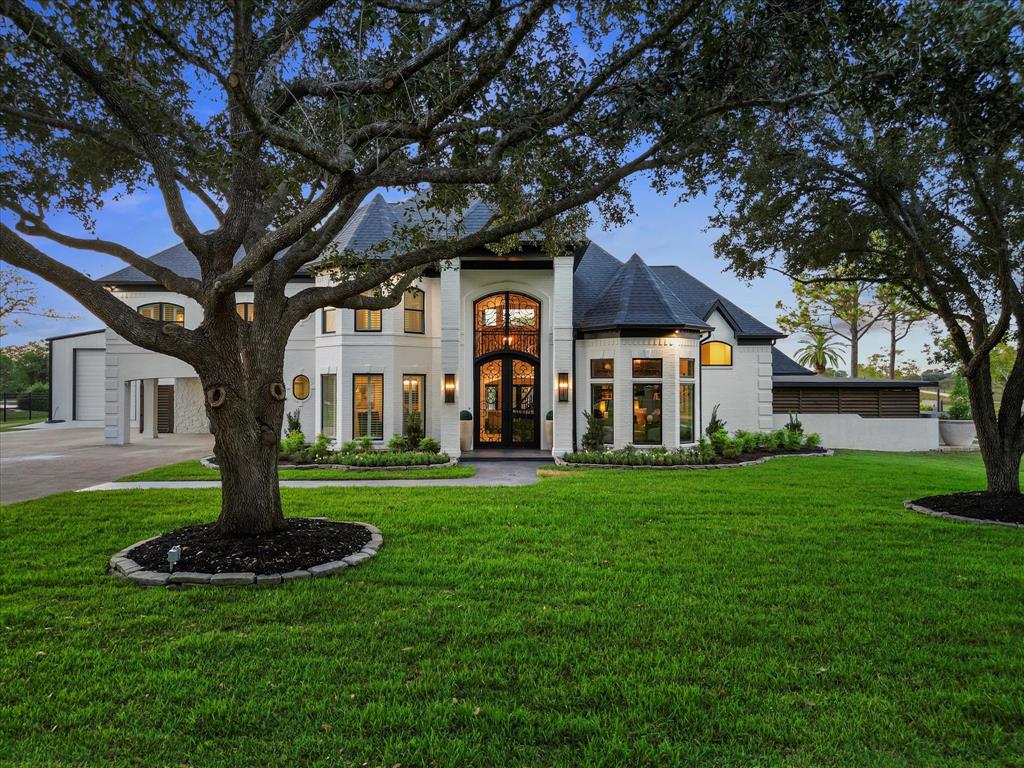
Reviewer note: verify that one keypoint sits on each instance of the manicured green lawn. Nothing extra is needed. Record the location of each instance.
(193, 470)
(17, 419)
(788, 614)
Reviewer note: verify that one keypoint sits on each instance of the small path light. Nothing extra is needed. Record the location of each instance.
(174, 555)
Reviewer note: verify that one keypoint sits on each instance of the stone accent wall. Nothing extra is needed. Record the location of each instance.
(189, 412)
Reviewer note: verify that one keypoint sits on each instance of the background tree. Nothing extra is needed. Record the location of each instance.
(919, 138)
(18, 297)
(24, 367)
(820, 351)
(900, 313)
(844, 308)
(281, 118)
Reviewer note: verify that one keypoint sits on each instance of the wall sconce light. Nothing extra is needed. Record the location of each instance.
(449, 387)
(563, 387)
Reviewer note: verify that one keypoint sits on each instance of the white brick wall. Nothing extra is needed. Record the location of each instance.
(622, 350)
(744, 389)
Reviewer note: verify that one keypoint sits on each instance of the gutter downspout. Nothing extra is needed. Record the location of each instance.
(575, 392)
(49, 379)
(700, 385)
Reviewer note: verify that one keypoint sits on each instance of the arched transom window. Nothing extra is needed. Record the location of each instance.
(507, 322)
(715, 353)
(162, 310)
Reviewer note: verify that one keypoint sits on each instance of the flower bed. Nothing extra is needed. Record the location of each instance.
(401, 453)
(720, 449)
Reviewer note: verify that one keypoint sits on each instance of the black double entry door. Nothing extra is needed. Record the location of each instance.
(507, 414)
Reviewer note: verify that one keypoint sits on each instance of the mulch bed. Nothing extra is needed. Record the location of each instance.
(303, 544)
(980, 505)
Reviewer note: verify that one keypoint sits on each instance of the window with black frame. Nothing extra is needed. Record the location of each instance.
(368, 405)
(602, 405)
(165, 312)
(414, 386)
(413, 305)
(329, 404)
(646, 367)
(686, 413)
(647, 414)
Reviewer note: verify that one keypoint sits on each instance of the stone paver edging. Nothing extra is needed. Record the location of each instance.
(122, 566)
(209, 463)
(829, 452)
(958, 518)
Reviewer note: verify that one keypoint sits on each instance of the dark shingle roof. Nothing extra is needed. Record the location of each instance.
(636, 297)
(703, 301)
(373, 222)
(177, 258)
(607, 293)
(784, 365)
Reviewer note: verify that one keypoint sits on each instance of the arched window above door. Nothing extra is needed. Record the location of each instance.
(506, 322)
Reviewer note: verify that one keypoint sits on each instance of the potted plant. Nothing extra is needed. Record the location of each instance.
(466, 430)
(956, 427)
(549, 431)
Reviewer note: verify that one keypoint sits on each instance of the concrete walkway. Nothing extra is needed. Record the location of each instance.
(488, 474)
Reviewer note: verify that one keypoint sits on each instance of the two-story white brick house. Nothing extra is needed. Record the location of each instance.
(479, 353)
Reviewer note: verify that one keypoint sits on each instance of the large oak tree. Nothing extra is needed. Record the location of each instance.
(282, 117)
(919, 139)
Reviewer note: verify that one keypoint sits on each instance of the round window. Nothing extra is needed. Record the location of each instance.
(300, 387)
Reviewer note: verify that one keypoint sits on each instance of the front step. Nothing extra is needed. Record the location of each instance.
(507, 454)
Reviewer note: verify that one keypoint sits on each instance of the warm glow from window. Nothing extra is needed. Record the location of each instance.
(330, 320)
(168, 313)
(300, 387)
(715, 353)
(244, 310)
(686, 368)
(413, 311)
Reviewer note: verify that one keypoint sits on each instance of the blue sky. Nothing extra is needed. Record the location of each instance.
(662, 232)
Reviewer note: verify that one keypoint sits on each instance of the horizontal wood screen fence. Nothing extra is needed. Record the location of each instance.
(894, 403)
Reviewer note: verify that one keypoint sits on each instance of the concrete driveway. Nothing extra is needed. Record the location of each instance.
(38, 462)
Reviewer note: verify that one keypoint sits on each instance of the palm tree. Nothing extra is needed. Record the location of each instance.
(820, 352)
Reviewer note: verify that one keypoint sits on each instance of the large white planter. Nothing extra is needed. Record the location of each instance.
(466, 435)
(957, 432)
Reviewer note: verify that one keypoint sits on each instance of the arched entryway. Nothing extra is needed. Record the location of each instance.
(506, 348)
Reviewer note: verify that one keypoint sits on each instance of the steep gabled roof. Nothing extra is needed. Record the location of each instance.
(373, 223)
(784, 365)
(704, 301)
(636, 297)
(177, 258)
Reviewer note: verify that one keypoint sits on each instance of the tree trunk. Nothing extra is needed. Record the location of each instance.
(246, 452)
(1001, 447)
(892, 347)
(854, 342)
(245, 404)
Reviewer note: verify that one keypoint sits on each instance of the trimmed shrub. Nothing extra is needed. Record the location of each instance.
(430, 445)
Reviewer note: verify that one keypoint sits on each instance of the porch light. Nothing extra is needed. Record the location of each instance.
(449, 387)
(563, 387)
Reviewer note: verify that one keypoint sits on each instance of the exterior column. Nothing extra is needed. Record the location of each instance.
(561, 355)
(451, 316)
(148, 412)
(117, 417)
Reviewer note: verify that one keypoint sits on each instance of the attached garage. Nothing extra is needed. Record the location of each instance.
(89, 376)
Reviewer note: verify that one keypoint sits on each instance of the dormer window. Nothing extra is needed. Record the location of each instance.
(244, 310)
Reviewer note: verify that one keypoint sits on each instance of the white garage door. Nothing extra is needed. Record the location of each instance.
(90, 375)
